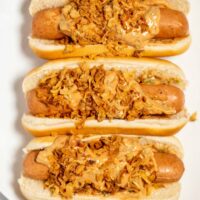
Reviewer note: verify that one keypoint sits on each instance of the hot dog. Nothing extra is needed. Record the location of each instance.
(127, 95)
(120, 166)
(155, 28)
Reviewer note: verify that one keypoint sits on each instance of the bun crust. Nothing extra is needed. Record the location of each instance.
(37, 5)
(139, 64)
(53, 126)
(43, 142)
(47, 49)
(33, 190)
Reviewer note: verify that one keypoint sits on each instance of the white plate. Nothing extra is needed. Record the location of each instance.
(17, 60)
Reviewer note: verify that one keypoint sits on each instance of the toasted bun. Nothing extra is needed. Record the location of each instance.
(43, 142)
(49, 49)
(32, 79)
(33, 190)
(53, 126)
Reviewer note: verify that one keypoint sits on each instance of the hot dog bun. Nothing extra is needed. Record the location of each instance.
(33, 189)
(49, 126)
(37, 5)
(50, 49)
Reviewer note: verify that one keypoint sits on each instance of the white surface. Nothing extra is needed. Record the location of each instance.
(17, 59)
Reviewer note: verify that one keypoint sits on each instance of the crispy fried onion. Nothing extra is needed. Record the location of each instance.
(102, 166)
(96, 93)
(106, 22)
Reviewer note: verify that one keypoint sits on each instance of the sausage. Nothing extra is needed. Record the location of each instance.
(172, 24)
(37, 107)
(172, 95)
(45, 24)
(33, 169)
(34, 105)
(169, 167)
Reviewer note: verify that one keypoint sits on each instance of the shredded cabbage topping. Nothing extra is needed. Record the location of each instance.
(103, 166)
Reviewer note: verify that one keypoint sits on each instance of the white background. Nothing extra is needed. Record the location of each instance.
(16, 60)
